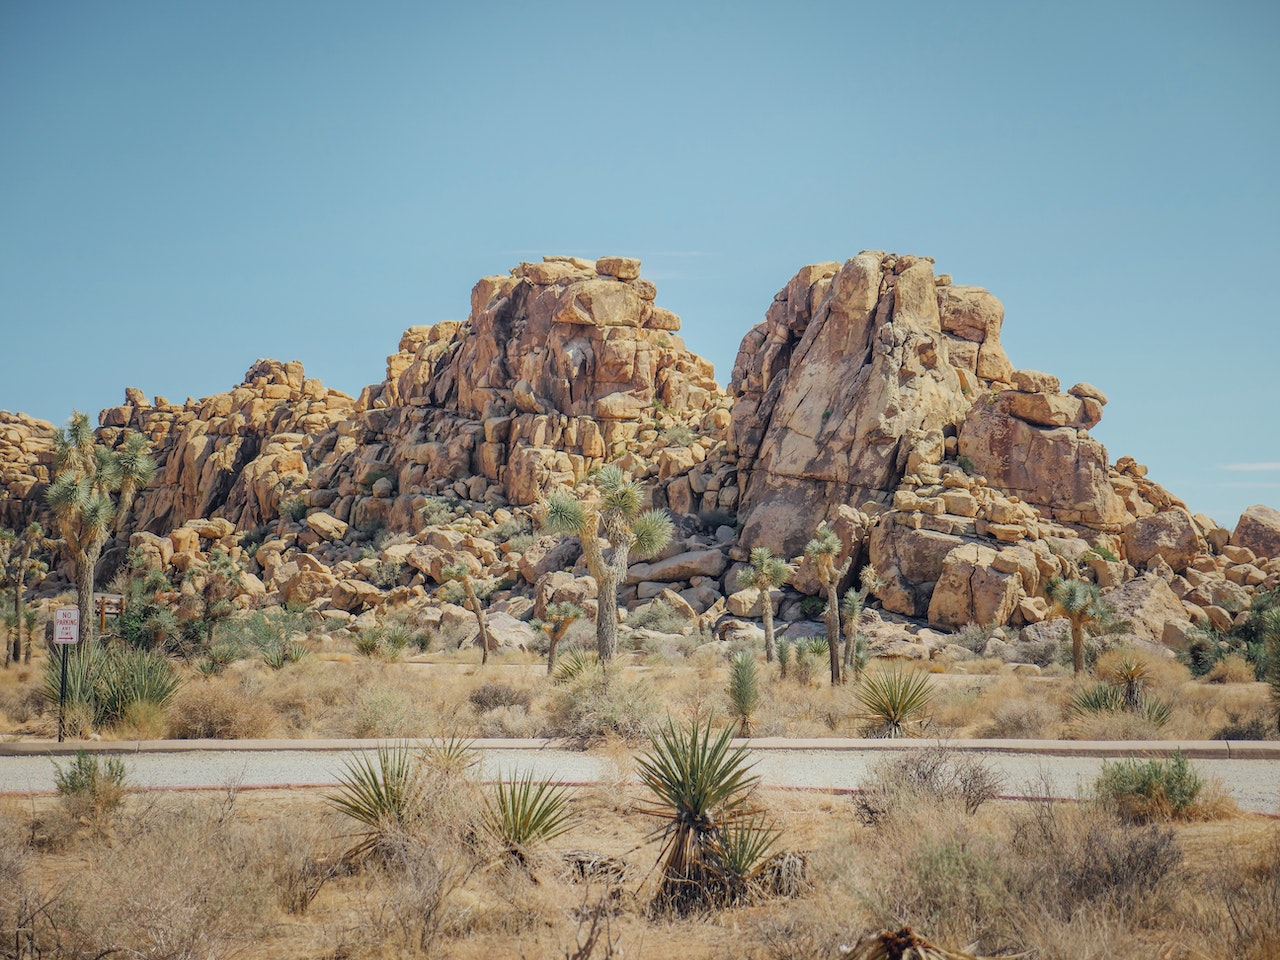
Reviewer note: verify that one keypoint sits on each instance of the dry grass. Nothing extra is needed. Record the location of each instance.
(259, 876)
(336, 695)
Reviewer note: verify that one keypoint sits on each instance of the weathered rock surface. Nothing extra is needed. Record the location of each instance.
(1258, 529)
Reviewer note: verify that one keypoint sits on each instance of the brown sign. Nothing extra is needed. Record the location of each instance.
(108, 604)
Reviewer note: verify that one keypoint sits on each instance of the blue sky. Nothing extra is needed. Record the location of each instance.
(185, 187)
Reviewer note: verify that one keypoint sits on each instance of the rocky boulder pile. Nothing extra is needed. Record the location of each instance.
(875, 395)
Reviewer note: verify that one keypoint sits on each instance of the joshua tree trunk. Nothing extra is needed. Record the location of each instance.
(1077, 645)
(608, 572)
(555, 635)
(85, 561)
(766, 608)
(833, 628)
(474, 603)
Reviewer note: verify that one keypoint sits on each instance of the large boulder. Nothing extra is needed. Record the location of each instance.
(1172, 535)
(1258, 529)
(1149, 604)
(848, 380)
(971, 590)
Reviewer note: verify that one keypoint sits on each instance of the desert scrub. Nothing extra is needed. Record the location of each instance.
(91, 787)
(936, 774)
(660, 617)
(494, 695)
(218, 709)
(1142, 791)
(594, 706)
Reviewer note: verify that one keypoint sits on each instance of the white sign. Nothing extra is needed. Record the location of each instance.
(66, 625)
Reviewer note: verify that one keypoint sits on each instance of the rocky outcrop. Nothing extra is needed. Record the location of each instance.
(846, 386)
(875, 395)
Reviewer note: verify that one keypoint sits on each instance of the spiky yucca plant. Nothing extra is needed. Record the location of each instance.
(613, 527)
(523, 813)
(762, 574)
(701, 787)
(384, 793)
(743, 690)
(894, 701)
(784, 657)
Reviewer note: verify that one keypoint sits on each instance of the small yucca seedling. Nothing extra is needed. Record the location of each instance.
(451, 758)
(524, 813)
(744, 690)
(784, 657)
(573, 665)
(894, 701)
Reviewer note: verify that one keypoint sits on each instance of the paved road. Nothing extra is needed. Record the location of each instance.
(1254, 783)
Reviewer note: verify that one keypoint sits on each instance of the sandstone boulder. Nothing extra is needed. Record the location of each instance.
(1258, 529)
(1172, 535)
(1149, 604)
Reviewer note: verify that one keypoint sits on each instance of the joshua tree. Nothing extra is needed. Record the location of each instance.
(856, 653)
(216, 584)
(765, 572)
(560, 617)
(1081, 603)
(462, 573)
(823, 551)
(612, 529)
(17, 564)
(86, 474)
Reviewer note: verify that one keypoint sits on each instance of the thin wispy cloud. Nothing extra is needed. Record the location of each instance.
(1259, 466)
(1250, 484)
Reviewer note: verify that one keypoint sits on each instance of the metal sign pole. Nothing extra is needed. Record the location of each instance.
(62, 695)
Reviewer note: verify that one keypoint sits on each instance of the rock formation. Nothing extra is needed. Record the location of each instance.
(875, 395)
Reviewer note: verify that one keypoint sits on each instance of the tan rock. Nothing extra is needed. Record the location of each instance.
(1088, 391)
(971, 590)
(624, 268)
(1149, 604)
(1258, 529)
(354, 595)
(327, 527)
(1172, 535)
(683, 566)
(970, 313)
(1035, 381)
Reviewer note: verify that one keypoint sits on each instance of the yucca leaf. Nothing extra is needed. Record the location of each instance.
(651, 531)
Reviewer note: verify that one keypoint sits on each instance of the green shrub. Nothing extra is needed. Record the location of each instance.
(493, 695)
(813, 608)
(660, 617)
(1145, 790)
(294, 509)
(677, 435)
(91, 786)
(594, 706)
(105, 685)
(436, 511)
